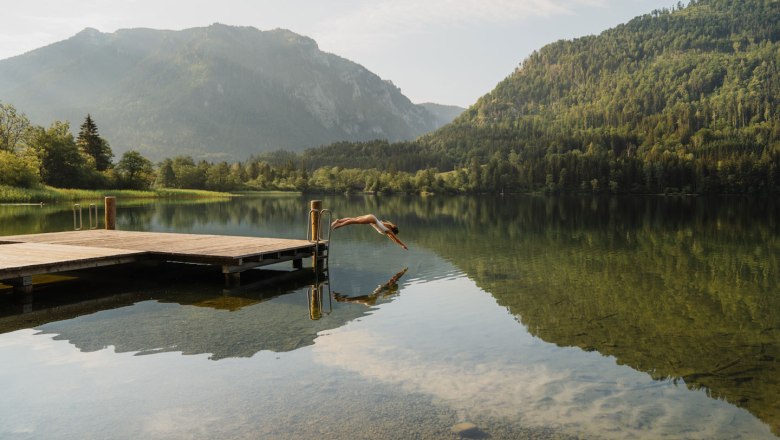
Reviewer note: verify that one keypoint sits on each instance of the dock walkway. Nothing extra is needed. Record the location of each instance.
(23, 256)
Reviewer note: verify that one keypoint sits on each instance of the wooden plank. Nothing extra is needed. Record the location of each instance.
(27, 259)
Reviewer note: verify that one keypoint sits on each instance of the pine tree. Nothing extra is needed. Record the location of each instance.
(92, 145)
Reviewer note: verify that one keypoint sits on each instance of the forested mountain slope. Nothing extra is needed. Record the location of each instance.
(673, 100)
(213, 92)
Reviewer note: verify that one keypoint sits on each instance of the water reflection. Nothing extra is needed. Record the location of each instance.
(202, 319)
(381, 292)
(684, 291)
(471, 357)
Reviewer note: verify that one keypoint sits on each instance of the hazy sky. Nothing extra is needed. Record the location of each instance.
(444, 51)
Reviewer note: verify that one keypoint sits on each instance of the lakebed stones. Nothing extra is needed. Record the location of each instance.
(468, 430)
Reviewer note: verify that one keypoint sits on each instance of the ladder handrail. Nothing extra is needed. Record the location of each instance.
(319, 225)
(80, 220)
(330, 219)
(97, 219)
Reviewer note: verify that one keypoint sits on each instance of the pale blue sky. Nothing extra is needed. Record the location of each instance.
(444, 51)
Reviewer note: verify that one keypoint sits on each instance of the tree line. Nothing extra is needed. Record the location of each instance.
(31, 156)
(34, 155)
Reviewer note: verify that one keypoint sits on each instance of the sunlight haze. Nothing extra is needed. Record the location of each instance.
(443, 51)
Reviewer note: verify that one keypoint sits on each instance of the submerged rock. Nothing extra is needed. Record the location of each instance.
(468, 430)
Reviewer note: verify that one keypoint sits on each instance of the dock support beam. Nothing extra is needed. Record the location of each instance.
(22, 285)
(232, 279)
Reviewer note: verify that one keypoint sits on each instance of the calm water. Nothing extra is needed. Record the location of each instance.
(528, 317)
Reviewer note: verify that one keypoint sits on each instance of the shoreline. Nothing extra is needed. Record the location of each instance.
(10, 196)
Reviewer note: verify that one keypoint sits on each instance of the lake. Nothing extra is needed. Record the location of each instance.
(526, 317)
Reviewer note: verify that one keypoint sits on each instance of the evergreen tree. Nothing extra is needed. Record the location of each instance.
(93, 146)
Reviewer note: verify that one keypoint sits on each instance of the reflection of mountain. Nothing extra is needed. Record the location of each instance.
(676, 288)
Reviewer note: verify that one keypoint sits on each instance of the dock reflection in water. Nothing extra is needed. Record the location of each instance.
(198, 318)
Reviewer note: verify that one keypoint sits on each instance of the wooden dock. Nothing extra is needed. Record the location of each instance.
(24, 256)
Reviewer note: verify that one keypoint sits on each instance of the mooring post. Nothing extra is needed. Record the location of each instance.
(314, 229)
(316, 207)
(110, 212)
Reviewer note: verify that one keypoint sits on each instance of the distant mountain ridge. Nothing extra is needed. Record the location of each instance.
(214, 92)
(444, 113)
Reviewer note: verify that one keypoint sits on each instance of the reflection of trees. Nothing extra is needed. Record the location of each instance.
(249, 210)
(34, 219)
(680, 288)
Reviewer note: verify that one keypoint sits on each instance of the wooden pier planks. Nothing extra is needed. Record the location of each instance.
(22, 256)
(26, 259)
(217, 249)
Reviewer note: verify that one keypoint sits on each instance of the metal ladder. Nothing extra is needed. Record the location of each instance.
(78, 220)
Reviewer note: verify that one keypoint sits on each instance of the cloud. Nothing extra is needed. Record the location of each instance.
(558, 392)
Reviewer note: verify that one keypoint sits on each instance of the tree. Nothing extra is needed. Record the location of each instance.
(61, 164)
(166, 178)
(14, 127)
(189, 175)
(93, 146)
(217, 177)
(18, 170)
(135, 171)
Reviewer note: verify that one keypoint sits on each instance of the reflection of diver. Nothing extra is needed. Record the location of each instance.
(383, 290)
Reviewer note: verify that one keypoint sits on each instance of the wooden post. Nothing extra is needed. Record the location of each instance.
(232, 279)
(315, 303)
(316, 207)
(110, 213)
(314, 213)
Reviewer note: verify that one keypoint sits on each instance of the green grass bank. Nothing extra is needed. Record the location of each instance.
(48, 194)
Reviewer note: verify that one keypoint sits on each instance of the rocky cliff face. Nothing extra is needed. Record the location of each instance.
(211, 92)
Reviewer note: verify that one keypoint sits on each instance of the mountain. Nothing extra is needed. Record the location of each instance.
(217, 91)
(444, 113)
(685, 99)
